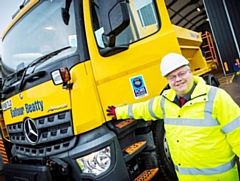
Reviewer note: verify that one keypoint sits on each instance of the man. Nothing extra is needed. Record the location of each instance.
(202, 123)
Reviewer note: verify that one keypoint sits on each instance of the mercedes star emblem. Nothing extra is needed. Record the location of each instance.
(31, 131)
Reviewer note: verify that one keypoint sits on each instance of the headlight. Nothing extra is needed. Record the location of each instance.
(95, 163)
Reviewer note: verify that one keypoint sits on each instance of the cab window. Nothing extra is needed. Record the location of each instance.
(144, 21)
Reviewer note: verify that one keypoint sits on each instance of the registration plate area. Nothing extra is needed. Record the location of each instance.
(22, 172)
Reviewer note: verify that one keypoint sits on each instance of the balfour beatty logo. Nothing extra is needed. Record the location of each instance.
(193, 35)
(29, 108)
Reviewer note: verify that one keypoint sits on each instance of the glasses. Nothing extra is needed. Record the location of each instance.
(180, 75)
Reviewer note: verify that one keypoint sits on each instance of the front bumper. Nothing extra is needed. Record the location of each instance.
(15, 172)
(86, 143)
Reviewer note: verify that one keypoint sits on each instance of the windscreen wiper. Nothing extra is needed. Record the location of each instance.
(40, 60)
(12, 78)
(47, 56)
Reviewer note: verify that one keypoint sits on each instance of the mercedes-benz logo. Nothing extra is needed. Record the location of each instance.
(30, 130)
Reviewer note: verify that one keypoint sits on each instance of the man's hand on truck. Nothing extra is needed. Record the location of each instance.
(111, 112)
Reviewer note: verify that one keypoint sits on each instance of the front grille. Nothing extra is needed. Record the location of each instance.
(55, 135)
(46, 150)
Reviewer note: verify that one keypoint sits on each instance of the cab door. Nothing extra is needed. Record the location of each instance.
(127, 40)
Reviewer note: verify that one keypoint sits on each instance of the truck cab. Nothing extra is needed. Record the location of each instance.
(63, 64)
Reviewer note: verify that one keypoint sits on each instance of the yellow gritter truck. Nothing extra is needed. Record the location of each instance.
(64, 62)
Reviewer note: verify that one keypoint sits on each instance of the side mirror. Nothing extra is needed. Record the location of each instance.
(115, 18)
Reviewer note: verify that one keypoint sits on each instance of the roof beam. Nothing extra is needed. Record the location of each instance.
(194, 24)
(194, 10)
(171, 3)
(190, 21)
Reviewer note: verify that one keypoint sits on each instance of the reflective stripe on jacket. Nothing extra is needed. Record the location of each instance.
(203, 136)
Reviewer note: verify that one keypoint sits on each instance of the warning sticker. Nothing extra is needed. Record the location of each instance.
(138, 86)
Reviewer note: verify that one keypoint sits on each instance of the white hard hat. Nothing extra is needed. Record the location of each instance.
(171, 62)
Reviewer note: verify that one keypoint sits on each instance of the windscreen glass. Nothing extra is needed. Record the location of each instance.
(40, 31)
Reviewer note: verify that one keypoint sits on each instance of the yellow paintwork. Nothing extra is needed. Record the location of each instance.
(147, 30)
(112, 73)
(187, 37)
(104, 81)
(82, 100)
(48, 93)
(189, 42)
(86, 108)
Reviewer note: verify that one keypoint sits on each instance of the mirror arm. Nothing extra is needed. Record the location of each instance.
(65, 12)
(109, 41)
(109, 51)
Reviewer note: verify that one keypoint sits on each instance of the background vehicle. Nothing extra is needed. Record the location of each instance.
(63, 63)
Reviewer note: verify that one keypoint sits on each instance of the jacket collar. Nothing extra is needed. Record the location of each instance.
(199, 90)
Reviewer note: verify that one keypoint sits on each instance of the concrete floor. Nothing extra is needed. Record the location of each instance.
(233, 88)
(230, 83)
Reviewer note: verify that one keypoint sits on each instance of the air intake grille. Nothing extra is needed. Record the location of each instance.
(55, 135)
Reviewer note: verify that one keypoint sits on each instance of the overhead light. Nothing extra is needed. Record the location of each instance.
(207, 19)
(48, 28)
(198, 6)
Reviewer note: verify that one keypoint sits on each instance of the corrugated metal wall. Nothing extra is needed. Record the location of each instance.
(222, 30)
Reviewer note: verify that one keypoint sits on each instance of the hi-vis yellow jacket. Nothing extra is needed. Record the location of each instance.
(203, 136)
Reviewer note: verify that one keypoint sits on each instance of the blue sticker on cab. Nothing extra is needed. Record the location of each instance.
(138, 86)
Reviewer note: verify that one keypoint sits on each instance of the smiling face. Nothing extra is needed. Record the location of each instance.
(181, 80)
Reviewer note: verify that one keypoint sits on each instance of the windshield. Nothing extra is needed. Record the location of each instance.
(40, 31)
